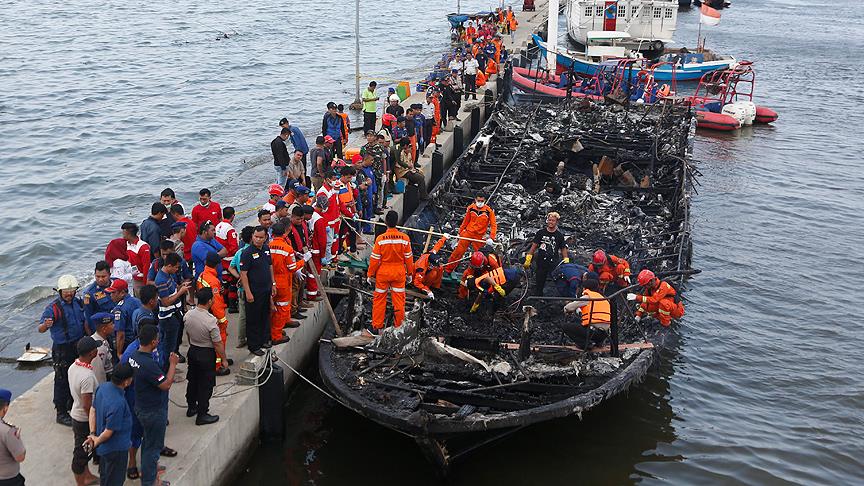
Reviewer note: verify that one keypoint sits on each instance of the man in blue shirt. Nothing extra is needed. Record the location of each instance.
(147, 310)
(297, 140)
(151, 229)
(111, 419)
(234, 268)
(170, 304)
(151, 399)
(333, 126)
(64, 318)
(95, 297)
(166, 247)
(124, 306)
(568, 279)
(206, 243)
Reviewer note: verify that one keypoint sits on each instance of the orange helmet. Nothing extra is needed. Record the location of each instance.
(599, 257)
(276, 189)
(645, 277)
(478, 259)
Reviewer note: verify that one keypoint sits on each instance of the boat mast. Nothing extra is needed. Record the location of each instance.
(552, 36)
(357, 104)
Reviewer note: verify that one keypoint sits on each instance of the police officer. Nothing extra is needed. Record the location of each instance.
(13, 451)
(96, 299)
(547, 244)
(64, 318)
(125, 306)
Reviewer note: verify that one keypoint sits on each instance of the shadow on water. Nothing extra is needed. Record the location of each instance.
(325, 443)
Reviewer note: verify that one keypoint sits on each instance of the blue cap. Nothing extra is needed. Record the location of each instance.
(301, 189)
(178, 224)
(5, 395)
(101, 317)
(281, 203)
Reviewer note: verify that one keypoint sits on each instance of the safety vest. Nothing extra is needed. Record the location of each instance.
(596, 311)
(497, 276)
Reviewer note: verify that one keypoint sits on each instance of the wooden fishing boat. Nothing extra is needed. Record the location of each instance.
(454, 380)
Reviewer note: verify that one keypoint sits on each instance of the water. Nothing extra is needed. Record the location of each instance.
(763, 381)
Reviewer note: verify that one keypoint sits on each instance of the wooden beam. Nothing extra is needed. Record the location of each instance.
(566, 347)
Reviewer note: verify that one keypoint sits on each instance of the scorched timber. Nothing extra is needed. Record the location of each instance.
(454, 380)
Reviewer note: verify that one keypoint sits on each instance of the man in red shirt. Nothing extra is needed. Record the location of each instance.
(191, 230)
(138, 253)
(226, 235)
(205, 210)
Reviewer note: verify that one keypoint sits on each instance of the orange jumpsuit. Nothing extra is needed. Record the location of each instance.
(436, 127)
(390, 264)
(481, 79)
(491, 67)
(498, 46)
(346, 127)
(209, 278)
(426, 278)
(661, 304)
(474, 225)
(470, 34)
(284, 266)
(615, 269)
(468, 274)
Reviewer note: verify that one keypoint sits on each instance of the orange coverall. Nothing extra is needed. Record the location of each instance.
(390, 264)
(615, 269)
(468, 274)
(660, 303)
(426, 278)
(209, 278)
(436, 127)
(284, 266)
(474, 225)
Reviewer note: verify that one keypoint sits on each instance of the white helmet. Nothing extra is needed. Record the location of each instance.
(67, 282)
(394, 97)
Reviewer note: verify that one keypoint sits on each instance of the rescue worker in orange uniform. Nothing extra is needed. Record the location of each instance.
(284, 267)
(432, 97)
(481, 78)
(470, 33)
(391, 265)
(659, 299)
(595, 315)
(478, 219)
(210, 279)
(491, 67)
(477, 265)
(428, 271)
(611, 269)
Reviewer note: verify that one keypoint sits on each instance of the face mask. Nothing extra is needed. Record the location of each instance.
(479, 204)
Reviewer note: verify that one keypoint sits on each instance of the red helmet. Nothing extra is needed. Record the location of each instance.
(388, 119)
(599, 257)
(478, 259)
(276, 189)
(645, 277)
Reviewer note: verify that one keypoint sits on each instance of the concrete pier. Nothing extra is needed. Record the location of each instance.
(214, 454)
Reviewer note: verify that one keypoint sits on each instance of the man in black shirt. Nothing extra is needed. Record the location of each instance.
(548, 243)
(281, 159)
(256, 273)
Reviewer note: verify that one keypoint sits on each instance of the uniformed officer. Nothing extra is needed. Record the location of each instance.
(95, 297)
(125, 306)
(64, 317)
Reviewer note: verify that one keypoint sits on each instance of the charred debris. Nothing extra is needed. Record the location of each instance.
(621, 180)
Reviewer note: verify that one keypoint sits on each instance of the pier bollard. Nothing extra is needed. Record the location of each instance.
(410, 200)
(437, 167)
(475, 122)
(458, 140)
(271, 395)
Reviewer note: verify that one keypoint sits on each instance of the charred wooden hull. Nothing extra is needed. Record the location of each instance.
(450, 409)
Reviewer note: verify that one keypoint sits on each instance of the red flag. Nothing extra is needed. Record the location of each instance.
(708, 15)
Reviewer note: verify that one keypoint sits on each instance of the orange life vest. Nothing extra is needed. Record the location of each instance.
(596, 311)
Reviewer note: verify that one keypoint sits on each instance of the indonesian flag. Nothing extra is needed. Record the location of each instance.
(708, 15)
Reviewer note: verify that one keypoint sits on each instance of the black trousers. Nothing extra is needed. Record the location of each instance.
(112, 468)
(470, 81)
(542, 269)
(258, 320)
(337, 145)
(369, 119)
(62, 355)
(346, 232)
(580, 334)
(16, 481)
(613, 316)
(201, 378)
(80, 458)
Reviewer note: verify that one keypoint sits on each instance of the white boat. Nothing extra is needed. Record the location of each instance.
(650, 23)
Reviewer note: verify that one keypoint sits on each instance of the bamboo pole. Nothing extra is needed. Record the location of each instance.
(310, 265)
(425, 232)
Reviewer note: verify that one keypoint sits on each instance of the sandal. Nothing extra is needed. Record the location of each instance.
(168, 452)
(133, 473)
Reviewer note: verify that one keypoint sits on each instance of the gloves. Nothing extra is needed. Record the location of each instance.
(637, 318)
(527, 263)
(370, 281)
(500, 290)
(627, 279)
(474, 308)
(490, 242)
(409, 278)
(299, 275)
(307, 256)
(464, 283)
(572, 307)
(430, 294)
(565, 260)
(631, 296)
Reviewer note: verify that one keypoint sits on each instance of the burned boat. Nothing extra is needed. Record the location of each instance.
(453, 380)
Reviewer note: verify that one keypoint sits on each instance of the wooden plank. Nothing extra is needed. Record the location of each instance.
(566, 347)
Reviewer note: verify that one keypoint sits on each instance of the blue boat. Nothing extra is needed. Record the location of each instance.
(689, 66)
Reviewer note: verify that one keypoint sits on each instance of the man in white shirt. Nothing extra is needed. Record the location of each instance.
(82, 385)
(470, 75)
(456, 64)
